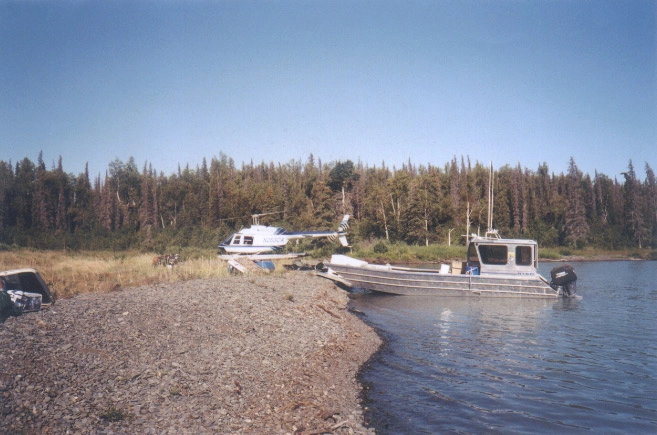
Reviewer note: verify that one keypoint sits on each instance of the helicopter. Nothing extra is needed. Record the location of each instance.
(264, 239)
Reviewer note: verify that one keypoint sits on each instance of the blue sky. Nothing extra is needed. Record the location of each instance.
(171, 82)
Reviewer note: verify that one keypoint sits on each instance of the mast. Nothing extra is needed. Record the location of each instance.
(490, 198)
(491, 232)
(467, 223)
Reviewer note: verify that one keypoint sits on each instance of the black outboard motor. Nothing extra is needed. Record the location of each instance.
(564, 279)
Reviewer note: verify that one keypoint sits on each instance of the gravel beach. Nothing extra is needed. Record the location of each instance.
(270, 354)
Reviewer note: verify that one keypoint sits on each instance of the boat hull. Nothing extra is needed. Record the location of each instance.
(419, 283)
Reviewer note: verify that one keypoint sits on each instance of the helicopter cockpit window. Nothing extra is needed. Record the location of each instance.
(237, 240)
(248, 240)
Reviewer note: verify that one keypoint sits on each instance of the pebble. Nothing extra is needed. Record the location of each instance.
(232, 355)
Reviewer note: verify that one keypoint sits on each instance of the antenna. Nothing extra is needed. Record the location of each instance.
(491, 232)
(490, 198)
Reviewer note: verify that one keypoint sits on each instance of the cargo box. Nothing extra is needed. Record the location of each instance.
(457, 267)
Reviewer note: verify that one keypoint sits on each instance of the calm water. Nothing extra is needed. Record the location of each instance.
(510, 366)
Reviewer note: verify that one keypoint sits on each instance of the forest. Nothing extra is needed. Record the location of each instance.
(133, 208)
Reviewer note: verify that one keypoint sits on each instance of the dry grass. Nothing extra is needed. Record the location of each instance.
(68, 274)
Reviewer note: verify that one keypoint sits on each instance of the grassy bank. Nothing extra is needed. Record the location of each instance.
(71, 273)
(401, 253)
(592, 254)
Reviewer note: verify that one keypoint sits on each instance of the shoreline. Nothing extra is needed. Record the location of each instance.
(565, 259)
(580, 259)
(253, 354)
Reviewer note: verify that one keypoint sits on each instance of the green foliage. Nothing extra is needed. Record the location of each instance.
(439, 252)
(325, 250)
(400, 252)
(565, 252)
(342, 176)
(549, 254)
(414, 205)
(5, 248)
(381, 247)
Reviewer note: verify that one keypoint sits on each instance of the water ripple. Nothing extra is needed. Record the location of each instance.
(500, 366)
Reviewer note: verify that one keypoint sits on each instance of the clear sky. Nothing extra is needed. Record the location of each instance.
(171, 82)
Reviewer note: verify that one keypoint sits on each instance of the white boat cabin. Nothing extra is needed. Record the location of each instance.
(496, 256)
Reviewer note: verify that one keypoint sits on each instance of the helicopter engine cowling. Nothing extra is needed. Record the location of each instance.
(564, 280)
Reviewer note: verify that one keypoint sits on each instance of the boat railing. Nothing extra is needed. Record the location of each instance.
(492, 234)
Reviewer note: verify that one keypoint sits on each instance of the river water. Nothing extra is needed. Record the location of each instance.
(483, 365)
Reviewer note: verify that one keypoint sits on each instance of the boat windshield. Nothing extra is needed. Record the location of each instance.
(493, 254)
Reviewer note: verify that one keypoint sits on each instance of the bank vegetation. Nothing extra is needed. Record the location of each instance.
(128, 209)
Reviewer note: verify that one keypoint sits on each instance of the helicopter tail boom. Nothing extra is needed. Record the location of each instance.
(331, 235)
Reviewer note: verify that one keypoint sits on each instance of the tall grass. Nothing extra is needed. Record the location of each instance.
(384, 252)
(596, 254)
(71, 273)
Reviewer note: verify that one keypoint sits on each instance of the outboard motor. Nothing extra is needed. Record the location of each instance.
(564, 280)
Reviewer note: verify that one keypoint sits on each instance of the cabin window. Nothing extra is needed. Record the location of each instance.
(248, 240)
(493, 254)
(237, 240)
(472, 254)
(523, 255)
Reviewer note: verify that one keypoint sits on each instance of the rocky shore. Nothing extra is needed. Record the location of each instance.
(242, 355)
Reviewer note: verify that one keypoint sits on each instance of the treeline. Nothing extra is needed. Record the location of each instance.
(132, 208)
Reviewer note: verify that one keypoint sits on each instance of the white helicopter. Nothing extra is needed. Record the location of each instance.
(261, 239)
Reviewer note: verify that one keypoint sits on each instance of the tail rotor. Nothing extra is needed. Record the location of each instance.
(342, 231)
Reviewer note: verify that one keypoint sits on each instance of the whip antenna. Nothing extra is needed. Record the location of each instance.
(490, 198)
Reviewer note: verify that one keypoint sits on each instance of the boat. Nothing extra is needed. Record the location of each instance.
(494, 266)
(263, 239)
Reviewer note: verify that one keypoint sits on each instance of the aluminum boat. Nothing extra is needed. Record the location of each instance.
(494, 267)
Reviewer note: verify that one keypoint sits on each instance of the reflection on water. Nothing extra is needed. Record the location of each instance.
(483, 365)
